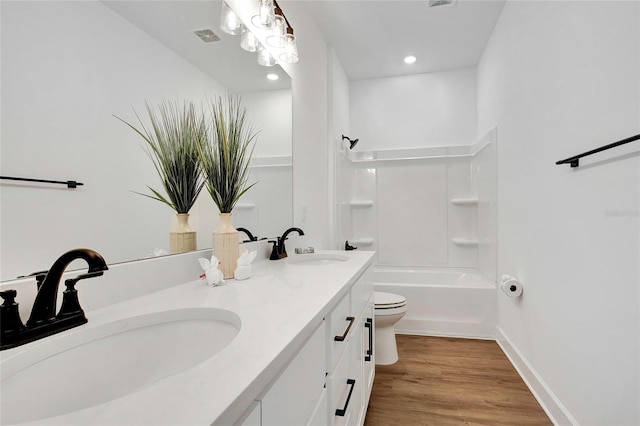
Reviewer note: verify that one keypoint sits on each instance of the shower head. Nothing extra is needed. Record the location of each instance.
(352, 142)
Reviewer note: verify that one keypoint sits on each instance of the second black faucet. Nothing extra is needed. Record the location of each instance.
(279, 250)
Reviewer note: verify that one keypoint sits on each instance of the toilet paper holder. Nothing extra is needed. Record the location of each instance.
(511, 286)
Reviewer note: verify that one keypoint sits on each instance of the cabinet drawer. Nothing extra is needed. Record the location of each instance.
(361, 291)
(339, 326)
(342, 395)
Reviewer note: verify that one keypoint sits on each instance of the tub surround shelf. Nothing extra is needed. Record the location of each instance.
(362, 241)
(420, 153)
(221, 388)
(465, 242)
(245, 206)
(361, 203)
(468, 201)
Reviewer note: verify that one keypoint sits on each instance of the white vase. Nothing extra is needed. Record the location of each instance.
(226, 245)
(181, 238)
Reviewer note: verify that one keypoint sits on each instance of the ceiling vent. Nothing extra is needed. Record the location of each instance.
(207, 35)
(435, 3)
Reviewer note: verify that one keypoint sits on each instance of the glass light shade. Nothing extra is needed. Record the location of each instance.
(249, 42)
(265, 58)
(290, 55)
(229, 21)
(266, 15)
(278, 33)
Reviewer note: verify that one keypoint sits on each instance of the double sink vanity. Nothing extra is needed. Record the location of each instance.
(291, 345)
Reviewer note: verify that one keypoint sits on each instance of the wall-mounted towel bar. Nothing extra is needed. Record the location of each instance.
(575, 160)
(69, 183)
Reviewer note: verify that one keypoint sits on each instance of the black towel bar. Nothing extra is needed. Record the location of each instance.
(575, 160)
(69, 183)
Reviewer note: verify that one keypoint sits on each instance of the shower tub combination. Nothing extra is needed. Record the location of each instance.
(458, 302)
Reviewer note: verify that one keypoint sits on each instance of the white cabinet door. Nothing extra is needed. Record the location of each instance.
(356, 372)
(368, 341)
(291, 400)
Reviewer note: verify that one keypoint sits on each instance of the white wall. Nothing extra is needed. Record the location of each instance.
(270, 114)
(269, 201)
(433, 109)
(340, 173)
(309, 86)
(558, 79)
(66, 68)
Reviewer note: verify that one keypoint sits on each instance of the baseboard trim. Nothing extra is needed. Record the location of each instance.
(549, 402)
(449, 328)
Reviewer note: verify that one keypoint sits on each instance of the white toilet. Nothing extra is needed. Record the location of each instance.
(390, 308)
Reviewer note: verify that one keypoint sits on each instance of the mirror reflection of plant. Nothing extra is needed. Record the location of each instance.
(227, 152)
(177, 130)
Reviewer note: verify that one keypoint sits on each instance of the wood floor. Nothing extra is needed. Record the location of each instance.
(443, 381)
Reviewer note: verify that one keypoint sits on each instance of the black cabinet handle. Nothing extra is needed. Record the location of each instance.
(342, 412)
(344, 336)
(369, 353)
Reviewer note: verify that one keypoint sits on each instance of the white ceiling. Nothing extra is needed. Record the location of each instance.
(370, 37)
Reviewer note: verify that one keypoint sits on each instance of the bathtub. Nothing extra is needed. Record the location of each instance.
(442, 301)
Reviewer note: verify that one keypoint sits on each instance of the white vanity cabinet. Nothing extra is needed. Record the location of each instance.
(328, 381)
(350, 358)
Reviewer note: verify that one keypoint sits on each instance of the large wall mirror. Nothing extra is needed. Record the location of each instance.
(67, 68)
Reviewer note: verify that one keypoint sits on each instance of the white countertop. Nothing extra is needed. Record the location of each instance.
(279, 306)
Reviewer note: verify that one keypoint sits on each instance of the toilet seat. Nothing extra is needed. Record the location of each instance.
(384, 302)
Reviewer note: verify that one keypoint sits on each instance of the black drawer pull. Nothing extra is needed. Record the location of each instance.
(344, 336)
(369, 353)
(342, 412)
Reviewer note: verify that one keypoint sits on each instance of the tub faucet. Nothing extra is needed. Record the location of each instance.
(282, 251)
(43, 320)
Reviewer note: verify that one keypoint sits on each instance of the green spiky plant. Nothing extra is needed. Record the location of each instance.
(172, 143)
(227, 152)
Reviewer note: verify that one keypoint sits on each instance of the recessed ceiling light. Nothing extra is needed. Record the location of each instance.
(409, 59)
(273, 77)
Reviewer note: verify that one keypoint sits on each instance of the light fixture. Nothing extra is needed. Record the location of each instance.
(265, 58)
(266, 16)
(273, 77)
(229, 21)
(272, 28)
(278, 33)
(409, 59)
(290, 55)
(249, 42)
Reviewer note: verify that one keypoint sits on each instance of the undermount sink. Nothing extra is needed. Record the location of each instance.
(86, 367)
(317, 259)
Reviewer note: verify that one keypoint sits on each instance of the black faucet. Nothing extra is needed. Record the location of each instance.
(282, 251)
(249, 234)
(43, 320)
